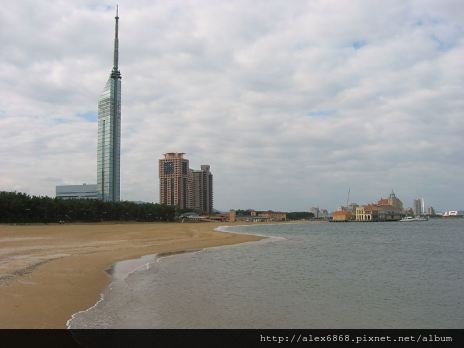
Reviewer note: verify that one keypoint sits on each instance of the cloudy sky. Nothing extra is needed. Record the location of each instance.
(292, 103)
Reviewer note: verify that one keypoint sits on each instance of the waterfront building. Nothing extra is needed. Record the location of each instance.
(419, 207)
(83, 191)
(416, 207)
(109, 131)
(386, 209)
(368, 212)
(390, 209)
(232, 216)
(352, 208)
(268, 215)
(364, 213)
(324, 214)
(342, 215)
(316, 212)
(202, 189)
(392, 201)
(409, 212)
(175, 180)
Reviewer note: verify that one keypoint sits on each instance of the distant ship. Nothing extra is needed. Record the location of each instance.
(410, 219)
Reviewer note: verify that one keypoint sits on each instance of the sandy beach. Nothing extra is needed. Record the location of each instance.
(49, 272)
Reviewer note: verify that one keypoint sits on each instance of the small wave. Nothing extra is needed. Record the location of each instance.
(128, 268)
(68, 323)
(120, 270)
(226, 229)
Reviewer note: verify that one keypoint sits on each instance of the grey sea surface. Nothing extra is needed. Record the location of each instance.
(315, 276)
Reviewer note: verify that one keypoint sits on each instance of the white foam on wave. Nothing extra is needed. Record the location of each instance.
(267, 237)
(161, 257)
(136, 266)
(123, 269)
(68, 323)
(120, 271)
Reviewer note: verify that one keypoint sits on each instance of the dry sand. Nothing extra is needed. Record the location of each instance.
(49, 272)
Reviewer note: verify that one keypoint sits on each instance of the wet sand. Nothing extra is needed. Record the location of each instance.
(49, 272)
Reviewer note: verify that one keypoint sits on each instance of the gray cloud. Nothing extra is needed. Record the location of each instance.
(291, 103)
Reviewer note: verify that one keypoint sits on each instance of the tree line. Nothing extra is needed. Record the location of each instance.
(295, 215)
(300, 215)
(16, 207)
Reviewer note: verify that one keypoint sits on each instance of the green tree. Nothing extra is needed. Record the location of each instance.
(17, 207)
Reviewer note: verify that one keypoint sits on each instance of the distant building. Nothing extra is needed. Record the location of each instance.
(409, 212)
(416, 207)
(390, 209)
(319, 213)
(342, 216)
(352, 208)
(268, 215)
(431, 211)
(183, 187)
(202, 189)
(109, 131)
(365, 213)
(419, 207)
(232, 216)
(83, 191)
(316, 212)
(175, 180)
(386, 209)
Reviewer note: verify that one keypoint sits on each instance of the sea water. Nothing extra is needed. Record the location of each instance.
(314, 275)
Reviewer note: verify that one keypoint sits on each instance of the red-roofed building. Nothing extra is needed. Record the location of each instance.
(386, 209)
(342, 216)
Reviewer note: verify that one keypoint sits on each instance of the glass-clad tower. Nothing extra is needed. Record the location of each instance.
(109, 132)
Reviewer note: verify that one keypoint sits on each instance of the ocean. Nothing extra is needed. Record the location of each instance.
(309, 275)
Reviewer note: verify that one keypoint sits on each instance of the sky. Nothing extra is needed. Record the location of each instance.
(292, 103)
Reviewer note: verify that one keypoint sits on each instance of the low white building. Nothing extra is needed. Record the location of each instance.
(84, 191)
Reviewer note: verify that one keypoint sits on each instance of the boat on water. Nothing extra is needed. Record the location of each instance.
(411, 218)
(453, 214)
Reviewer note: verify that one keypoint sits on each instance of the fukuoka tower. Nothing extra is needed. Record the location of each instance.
(109, 132)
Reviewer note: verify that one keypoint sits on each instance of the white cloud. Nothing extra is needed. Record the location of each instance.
(291, 103)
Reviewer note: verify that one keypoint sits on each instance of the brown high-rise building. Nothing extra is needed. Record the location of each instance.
(183, 187)
(202, 190)
(175, 181)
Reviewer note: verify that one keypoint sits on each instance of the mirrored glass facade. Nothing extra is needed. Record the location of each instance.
(109, 141)
(109, 132)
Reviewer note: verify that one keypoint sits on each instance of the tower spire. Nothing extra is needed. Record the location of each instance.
(115, 72)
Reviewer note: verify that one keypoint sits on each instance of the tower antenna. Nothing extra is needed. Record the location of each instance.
(116, 44)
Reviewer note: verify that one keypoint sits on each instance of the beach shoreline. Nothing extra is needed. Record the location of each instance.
(133, 265)
(48, 273)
